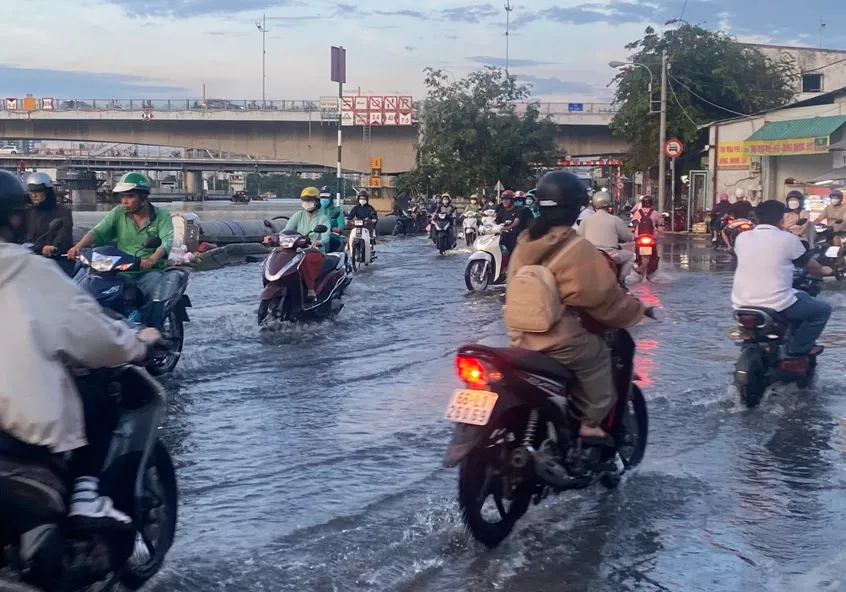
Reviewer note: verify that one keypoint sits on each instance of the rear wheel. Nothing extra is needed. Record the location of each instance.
(443, 247)
(635, 433)
(173, 331)
(477, 276)
(752, 392)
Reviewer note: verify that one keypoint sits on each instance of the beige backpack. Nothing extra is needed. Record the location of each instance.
(532, 303)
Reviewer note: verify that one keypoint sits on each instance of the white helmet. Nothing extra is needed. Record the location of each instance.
(38, 182)
(601, 200)
(739, 193)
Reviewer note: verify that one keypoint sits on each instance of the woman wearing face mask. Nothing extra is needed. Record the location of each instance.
(364, 211)
(44, 210)
(796, 212)
(834, 211)
(336, 219)
(531, 205)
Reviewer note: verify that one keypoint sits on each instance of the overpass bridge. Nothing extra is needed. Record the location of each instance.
(289, 131)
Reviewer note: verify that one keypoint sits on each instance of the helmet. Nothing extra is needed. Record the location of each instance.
(474, 196)
(38, 182)
(601, 200)
(363, 193)
(133, 181)
(507, 194)
(560, 189)
(325, 191)
(739, 193)
(520, 195)
(836, 194)
(646, 202)
(445, 198)
(310, 193)
(795, 193)
(13, 197)
(724, 196)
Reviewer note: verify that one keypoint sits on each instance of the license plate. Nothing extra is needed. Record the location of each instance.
(832, 252)
(646, 250)
(473, 407)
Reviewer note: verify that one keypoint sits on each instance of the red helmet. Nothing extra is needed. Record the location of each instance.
(507, 194)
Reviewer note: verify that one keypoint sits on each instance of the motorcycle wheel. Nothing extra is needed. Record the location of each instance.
(477, 481)
(354, 256)
(753, 391)
(442, 244)
(810, 375)
(477, 277)
(262, 311)
(158, 515)
(174, 331)
(398, 229)
(635, 425)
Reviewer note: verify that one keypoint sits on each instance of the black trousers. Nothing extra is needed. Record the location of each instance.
(101, 413)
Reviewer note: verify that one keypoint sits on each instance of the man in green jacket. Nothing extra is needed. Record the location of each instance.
(128, 226)
(336, 219)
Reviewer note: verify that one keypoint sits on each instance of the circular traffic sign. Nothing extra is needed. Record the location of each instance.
(620, 185)
(673, 148)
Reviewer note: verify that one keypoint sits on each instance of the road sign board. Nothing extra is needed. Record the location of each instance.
(375, 103)
(673, 148)
(360, 118)
(391, 103)
(390, 118)
(347, 118)
(348, 103)
(405, 104)
(575, 107)
(499, 186)
(619, 185)
(375, 118)
(361, 103)
(405, 118)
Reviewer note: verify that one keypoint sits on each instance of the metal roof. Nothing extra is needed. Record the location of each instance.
(813, 127)
(834, 175)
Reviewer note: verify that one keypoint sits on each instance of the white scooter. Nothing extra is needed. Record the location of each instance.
(470, 228)
(359, 245)
(488, 265)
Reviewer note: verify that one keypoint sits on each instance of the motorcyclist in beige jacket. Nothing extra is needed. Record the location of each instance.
(48, 324)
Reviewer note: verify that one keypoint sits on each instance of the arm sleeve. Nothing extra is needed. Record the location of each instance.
(94, 340)
(623, 232)
(106, 230)
(795, 248)
(373, 213)
(293, 221)
(165, 228)
(64, 237)
(324, 236)
(582, 230)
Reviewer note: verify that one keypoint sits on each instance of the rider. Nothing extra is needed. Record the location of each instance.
(741, 208)
(436, 203)
(766, 257)
(364, 211)
(519, 198)
(129, 225)
(473, 208)
(646, 217)
(336, 218)
(531, 204)
(796, 212)
(304, 222)
(514, 220)
(718, 213)
(607, 232)
(44, 210)
(49, 321)
(834, 211)
(587, 287)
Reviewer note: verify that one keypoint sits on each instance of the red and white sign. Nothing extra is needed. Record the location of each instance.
(361, 103)
(405, 118)
(360, 118)
(673, 148)
(391, 103)
(375, 103)
(347, 117)
(12, 104)
(375, 118)
(405, 104)
(348, 103)
(47, 104)
(619, 184)
(147, 115)
(391, 118)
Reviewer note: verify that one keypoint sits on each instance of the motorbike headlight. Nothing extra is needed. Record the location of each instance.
(103, 263)
(287, 242)
(359, 222)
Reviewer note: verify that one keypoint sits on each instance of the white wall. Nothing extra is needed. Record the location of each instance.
(813, 60)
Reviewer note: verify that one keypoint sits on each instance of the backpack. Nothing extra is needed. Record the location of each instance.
(532, 302)
(645, 225)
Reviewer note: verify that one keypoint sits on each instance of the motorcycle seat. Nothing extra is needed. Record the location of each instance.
(779, 323)
(331, 262)
(523, 359)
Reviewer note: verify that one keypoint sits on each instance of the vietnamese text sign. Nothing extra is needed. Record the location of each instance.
(730, 155)
(786, 147)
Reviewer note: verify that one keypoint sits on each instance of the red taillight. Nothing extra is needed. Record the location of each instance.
(745, 226)
(645, 240)
(747, 322)
(473, 372)
(729, 220)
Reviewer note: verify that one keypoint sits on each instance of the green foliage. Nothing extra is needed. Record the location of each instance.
(736, 77)
(290, 186)
(471, 131)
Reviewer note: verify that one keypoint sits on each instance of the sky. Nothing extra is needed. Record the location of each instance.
(101, 49)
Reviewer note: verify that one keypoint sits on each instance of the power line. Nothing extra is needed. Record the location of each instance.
(672, 90)
(681, 16)
(706, 100)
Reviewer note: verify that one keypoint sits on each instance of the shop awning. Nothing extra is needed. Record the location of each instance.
(837, 175)
(796, 136)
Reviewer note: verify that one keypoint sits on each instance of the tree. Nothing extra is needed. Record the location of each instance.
(711, 77)
(471, 131)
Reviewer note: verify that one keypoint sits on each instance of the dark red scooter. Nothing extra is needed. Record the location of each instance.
(284, 295)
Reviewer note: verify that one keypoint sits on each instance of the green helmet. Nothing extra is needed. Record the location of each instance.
(132, 181)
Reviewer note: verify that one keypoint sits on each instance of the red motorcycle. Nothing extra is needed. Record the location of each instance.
(646, 255)
(284, 294)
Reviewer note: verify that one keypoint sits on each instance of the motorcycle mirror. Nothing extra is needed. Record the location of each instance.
(152, 242)
(801, 221)
(269, 224)
(320, 229)
(838, 221)
(56, 224)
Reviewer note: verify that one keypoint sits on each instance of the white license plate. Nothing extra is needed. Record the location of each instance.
(832, 252)
(473, 407)
(646, 250)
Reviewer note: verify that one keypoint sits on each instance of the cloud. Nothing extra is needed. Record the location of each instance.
(191, 8)
(410, 48)
(500, 62)
(555, 86)
(409, 13)
(84, 85)
(349, 11)
(614, 12)
(473, 13)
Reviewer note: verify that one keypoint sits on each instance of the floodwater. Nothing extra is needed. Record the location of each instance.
(309, 460)
(206, 210)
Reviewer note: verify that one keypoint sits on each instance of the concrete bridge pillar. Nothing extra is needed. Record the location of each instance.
(83, 184)
(194, 182)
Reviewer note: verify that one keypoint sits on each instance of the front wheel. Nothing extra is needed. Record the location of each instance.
(173, 331)
(477, 276)
(634, 433)
(443, 247)
(354, 256)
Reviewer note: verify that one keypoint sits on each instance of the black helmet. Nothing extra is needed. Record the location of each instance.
(646, 202)
(13, 196)
(836, 194)
(561, 190)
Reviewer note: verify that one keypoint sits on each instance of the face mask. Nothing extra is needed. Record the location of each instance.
(793, 204)
(363, 202)
(325, 201)
(836, 201)
(530, 202)
(309, 206)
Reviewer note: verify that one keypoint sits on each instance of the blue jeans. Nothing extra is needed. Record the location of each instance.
(810, 315)
(147, 283)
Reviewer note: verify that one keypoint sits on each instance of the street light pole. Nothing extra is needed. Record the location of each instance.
(508, 9)
(262, 26)
(662, 136)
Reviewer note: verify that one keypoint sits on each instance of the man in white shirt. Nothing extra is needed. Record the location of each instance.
(607, 232)
(766, 257)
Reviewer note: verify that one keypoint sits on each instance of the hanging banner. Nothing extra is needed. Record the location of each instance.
(730, 155)
(786, 147)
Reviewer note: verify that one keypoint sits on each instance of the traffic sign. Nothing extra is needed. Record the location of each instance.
(619, 185)
(499, 186)
(673, 148)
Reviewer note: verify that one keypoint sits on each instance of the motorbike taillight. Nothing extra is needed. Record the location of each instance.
(645, 240)
(475, 373)
(747, 321)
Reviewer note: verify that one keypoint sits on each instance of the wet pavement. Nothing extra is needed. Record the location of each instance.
(309, 459)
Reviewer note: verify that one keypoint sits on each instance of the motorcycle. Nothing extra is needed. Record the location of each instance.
(832, 256)
(284, 295)
(646, 255)
(36, 247)
(516, 434)
(488, 264)
(470, 226)
(404, 223)
(360, 245)
(420, 218)
(733, 228)
(98, 274)
(37, 546)
(444, 233)
(763, 335)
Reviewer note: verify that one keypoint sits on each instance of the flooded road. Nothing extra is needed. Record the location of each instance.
(310, 459)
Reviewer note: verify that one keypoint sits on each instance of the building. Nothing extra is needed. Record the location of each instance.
(822, 70)
(800, 146)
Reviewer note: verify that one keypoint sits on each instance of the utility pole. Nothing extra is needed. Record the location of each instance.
(508, 9)
(339, 75)
(662, 136)
(822, 27)
(262, 27)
